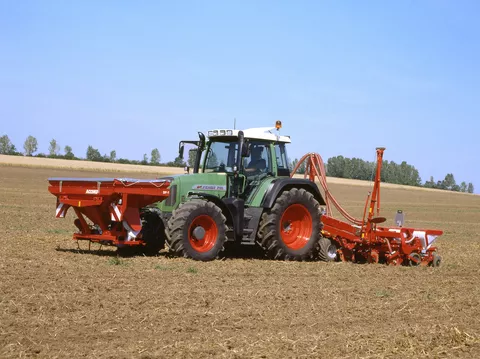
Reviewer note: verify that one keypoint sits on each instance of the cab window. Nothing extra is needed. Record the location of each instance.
(259, 160)
(282, 159)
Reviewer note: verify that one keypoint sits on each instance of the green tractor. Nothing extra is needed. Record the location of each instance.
(240, 193)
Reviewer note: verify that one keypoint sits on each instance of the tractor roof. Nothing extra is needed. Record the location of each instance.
(259, 133)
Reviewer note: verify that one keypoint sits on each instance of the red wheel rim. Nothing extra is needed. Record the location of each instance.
(210, 237)
(296, 226)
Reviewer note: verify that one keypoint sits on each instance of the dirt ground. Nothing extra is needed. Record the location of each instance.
(57, 301)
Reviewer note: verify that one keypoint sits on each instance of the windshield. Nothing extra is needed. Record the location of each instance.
(221, 157)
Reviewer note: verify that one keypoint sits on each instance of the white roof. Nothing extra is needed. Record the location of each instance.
(259, 133)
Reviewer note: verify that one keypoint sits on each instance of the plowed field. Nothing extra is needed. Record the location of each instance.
(57, 301)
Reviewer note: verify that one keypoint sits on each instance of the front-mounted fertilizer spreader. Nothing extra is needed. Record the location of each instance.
(109, 210)
(241, 193)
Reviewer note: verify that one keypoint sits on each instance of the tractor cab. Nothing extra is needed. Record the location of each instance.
(249, 152)
(245, 157)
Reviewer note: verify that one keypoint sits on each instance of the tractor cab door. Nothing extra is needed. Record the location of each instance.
(258, 161)
(257, 165)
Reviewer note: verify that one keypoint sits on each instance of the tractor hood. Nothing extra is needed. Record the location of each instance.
(183, 186)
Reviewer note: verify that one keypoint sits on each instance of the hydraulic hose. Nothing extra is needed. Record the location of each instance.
(315, 169)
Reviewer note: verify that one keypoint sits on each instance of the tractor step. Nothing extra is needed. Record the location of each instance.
(247, 240)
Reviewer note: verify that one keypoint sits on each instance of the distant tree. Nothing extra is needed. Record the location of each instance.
(113, 156)
(155, 157)
(294, 163)
(470, 188)
(68, 153)
(6, 146)
(301, 169)
(30, 146)
(463, 187)
(456, 188)
(93, 154)
(53, 149)
(192, 155)
(124, 160)
(211, 163)
(449, 182)
(179, 162)
(336, 166)
(145, 159)
(290, 165)
(440, 185)
(430, 183)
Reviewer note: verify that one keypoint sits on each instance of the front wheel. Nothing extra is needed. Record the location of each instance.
(197, 230)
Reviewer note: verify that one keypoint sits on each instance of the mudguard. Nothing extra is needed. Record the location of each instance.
(282, 184)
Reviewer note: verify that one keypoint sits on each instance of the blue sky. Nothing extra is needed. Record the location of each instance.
(342, 76)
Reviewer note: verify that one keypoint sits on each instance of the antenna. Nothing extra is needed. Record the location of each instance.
(234, 123)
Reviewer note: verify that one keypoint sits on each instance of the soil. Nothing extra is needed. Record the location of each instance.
(57, 301)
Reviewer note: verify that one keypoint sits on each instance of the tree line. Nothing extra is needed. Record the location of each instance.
(403, 173)
(30, 147)
(338, 166)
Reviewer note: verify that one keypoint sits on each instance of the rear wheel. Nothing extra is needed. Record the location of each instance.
(290, 230)
(197, 230)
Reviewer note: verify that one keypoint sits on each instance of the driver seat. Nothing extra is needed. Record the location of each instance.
(257, 162)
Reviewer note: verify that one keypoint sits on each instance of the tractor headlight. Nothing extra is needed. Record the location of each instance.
(222, 132)
(229, 132)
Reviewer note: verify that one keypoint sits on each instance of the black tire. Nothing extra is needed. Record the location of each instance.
(437, 260)
(153, 232)
(414, 259)
(190, 215)
(327, 250)
(275, 237)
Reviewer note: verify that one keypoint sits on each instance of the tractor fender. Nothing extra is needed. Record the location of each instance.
(232, 209)
(285, 184)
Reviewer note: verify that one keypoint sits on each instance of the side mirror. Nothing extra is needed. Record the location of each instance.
(180, 150)
(201, 143)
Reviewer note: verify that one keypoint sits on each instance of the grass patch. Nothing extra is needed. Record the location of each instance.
(383, 293)
(115, 261)
(162, 268)
(192, 270)
(58, 231)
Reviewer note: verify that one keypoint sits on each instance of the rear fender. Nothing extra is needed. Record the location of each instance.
(285, 184)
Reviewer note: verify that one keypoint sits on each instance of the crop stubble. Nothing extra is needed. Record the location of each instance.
(56, 301)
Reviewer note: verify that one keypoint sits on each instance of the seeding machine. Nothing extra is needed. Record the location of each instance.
(241, 192)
